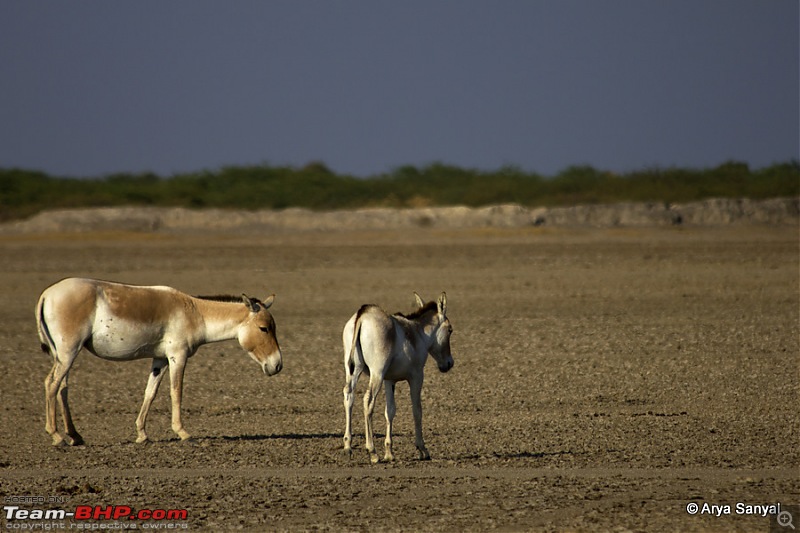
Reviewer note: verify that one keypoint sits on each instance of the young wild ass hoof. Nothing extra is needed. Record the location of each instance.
(124, 322)
(391, 349)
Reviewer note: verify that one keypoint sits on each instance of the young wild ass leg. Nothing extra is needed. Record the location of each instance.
(375, 383)
(349, 389)
(391, 409)
(416, 406)
(150, 391)
(177, 364)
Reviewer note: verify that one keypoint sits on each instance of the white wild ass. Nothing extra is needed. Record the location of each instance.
(124, 322)
(391, 349)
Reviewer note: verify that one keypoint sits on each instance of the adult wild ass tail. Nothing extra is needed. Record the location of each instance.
(48, 346)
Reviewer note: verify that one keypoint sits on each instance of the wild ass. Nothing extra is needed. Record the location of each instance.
(124, 322)
(391, 349)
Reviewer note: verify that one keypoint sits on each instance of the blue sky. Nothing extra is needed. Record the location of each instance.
(94, 87)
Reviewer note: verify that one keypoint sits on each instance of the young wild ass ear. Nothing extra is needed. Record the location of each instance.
(418, 301)
(125, 322)
(393, 348)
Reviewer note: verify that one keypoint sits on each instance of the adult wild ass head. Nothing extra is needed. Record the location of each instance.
(257, 335)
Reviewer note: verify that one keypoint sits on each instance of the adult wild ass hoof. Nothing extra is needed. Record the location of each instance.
(75, 440)
(69, 440)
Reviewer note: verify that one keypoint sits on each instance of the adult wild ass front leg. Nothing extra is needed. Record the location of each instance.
(153, 382)
(177, 368)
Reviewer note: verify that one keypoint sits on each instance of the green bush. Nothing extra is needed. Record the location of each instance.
(315, 186)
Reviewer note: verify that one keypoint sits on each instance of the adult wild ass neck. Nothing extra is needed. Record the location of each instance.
(391, 349)
(124, 322)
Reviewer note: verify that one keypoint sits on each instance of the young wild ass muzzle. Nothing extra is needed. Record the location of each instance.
(124, 322)
(391, 349)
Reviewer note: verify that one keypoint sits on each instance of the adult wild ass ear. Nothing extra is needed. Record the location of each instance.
(442, 304)
(254, 305)
(267, 303)
(251, 304)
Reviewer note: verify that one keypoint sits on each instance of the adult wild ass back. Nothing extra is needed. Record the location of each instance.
(124, 322)
(391, 349)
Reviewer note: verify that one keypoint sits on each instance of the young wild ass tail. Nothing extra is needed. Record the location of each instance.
(121, 322)
(393, 348)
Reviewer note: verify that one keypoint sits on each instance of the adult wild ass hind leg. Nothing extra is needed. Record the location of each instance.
(56, 386)
(73, 437)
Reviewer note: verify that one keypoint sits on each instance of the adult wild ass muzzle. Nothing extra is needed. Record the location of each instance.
(272, 365)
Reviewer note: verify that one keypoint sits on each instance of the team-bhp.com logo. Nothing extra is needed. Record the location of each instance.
(85, 513)
(123, 512)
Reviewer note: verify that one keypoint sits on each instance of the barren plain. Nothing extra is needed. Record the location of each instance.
(604, 380)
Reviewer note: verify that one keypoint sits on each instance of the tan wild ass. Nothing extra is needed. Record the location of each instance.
(391, 349)
(121, 322)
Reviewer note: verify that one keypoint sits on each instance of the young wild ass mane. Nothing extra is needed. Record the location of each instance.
(121, 322)
(391, 349)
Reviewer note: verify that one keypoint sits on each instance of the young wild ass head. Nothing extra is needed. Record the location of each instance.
(393, 348)
(441, 330)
